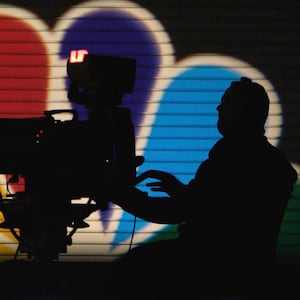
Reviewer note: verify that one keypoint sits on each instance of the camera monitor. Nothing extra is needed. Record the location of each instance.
(109, 73)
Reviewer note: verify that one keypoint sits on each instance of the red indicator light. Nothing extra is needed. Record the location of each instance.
(38, 136)
(77, 56)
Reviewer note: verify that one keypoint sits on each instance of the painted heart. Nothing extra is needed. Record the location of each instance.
(24, 69)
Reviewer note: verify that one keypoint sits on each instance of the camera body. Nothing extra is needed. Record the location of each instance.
(65, 160)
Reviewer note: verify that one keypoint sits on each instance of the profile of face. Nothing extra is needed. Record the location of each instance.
(230, 116)
(243, 109)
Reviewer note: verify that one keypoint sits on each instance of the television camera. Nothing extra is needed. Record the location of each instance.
(60, 161)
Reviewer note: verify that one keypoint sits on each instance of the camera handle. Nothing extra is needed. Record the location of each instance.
(49, 113)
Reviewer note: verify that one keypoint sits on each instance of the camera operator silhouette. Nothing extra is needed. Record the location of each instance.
(229, 214)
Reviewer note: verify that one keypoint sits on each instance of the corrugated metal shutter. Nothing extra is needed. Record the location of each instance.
(187, 54)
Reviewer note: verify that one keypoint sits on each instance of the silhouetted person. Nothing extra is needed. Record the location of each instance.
(229, 214)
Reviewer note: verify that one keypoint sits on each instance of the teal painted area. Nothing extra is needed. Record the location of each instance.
(288, 246)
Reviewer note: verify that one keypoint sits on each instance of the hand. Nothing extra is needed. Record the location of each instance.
(167, 183)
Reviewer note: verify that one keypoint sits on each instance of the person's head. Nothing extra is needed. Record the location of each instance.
(244, 109)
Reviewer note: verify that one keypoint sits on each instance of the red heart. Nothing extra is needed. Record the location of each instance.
(23, 69)
(23, 73)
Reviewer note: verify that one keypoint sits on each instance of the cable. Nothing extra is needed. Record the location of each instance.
(132, 234)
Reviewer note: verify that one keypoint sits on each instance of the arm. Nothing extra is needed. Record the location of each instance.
(165, 210)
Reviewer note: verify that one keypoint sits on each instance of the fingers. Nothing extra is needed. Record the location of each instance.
(157, 189)
(145, 175)
(154, 184)
(140, 178)
(156, 174)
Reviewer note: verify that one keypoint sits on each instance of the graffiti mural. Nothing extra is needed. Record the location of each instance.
(173, 103)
